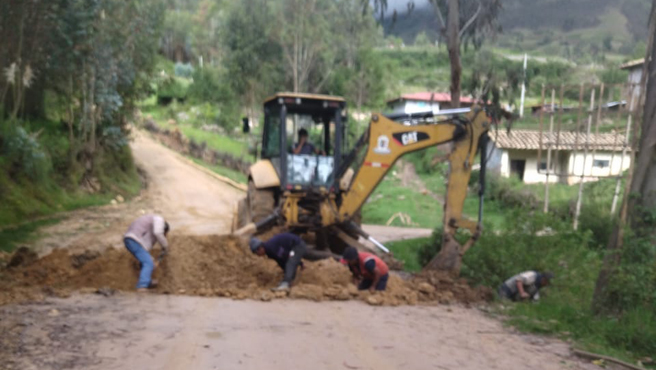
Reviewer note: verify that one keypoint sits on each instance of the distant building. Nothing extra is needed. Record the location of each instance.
(425, 101)
(548, 108)
(516, 154)
(635, 75)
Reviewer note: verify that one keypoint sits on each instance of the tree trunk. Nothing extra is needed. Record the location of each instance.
(453, 45)
(449, 258)
(296, 62)
(644, 176)
(640, 192)
(92, 112)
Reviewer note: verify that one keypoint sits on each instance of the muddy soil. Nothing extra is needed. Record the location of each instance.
(217, 266)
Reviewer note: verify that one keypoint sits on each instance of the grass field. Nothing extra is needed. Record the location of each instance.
(236, 144)
(223, 171)
(406, 251)
(217, 142)
(390, 198)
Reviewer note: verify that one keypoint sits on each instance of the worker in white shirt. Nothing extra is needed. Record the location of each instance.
(526, 285)
(139, 239)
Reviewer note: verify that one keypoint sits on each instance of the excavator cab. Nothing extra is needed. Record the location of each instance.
(309, 166)
(294, 182)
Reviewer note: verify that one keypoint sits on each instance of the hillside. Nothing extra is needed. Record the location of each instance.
(555, 27)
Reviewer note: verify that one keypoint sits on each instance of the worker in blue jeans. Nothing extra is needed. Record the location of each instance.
(142, 234)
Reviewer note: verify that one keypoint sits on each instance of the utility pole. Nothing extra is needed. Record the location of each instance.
(521, 102)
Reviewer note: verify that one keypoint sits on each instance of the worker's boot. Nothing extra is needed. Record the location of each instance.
(283, 287)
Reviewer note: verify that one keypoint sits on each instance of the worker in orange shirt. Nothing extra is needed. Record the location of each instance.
(369, 271)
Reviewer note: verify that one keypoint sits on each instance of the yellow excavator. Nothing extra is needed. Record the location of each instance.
(321, 187)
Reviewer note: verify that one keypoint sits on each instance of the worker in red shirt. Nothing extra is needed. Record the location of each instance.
(369, 271)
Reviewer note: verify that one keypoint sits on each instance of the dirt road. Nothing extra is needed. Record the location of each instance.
(127, 330)
(191, 200)
(388, 233)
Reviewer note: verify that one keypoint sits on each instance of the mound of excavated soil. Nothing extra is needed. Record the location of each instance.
(217, 266)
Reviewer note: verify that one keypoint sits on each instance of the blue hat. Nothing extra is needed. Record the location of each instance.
(350, 254)
(255, 243)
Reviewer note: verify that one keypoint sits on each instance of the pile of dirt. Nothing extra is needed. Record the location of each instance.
(216, 266)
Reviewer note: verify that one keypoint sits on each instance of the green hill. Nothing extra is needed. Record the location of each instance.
(567, 28)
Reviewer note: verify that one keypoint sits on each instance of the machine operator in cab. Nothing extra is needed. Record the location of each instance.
(304, 146)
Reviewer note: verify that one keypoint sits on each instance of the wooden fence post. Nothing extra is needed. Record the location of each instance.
(579, 199)
(549, 144)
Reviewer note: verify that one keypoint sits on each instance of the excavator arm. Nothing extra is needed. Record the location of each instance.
(386, 141)
(389, 140)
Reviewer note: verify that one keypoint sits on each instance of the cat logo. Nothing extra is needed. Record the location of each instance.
(409, 137)
(383, 145)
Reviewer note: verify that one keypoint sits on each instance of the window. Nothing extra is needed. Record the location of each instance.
(271, 147)
(314, 127)
(542, 166)
(601, 163)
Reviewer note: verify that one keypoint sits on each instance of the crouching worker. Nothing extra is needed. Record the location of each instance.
(139, 239)
(526, 285)
(369, 271)
(287, 250)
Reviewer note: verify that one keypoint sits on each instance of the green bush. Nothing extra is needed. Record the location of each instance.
(510, 192)
(183, 70)
(612, 76)
(423, 160)
(208, 86)
(37, 177)
(498, 256)
(219, 102)
(634, 284)
(596, 218)
(22, 152)
(172, 88)
(535, 242)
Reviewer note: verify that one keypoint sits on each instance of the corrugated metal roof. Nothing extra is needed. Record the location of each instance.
(530, 140)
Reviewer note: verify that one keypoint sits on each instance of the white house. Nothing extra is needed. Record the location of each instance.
(425, 101)
(635, 75)
(516, 154)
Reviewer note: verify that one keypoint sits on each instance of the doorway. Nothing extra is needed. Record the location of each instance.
(517, 167)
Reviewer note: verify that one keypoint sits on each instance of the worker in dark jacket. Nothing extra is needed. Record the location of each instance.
(287, 250)
(369, 271)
